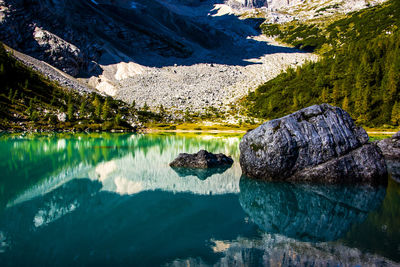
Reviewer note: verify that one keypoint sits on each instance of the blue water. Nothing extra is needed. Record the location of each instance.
(112, 200)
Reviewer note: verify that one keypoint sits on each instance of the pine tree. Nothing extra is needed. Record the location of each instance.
(82, 109)
(106, 109)
(295, 103)
(97, 107)
(133, 106)
(161, 110)
(396, 114)
(29, 110)
(117, 119)
(336, 93)
(345, 104)
(53, 100)
(270, 107)
(70, 109)
(14, 97)
(26, 84)
(324, 95)
(145, 107)
(10, 94)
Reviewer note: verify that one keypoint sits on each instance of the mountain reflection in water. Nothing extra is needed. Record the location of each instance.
(113, 200)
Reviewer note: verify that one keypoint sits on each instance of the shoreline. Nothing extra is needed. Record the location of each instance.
(158, 130)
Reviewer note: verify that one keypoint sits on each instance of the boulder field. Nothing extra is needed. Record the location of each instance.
(319, 144)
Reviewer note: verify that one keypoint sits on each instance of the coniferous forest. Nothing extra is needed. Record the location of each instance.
(359, 69)
(29, 100)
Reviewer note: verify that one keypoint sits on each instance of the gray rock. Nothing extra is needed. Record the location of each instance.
(201, 159)
(320, 143)
(391, 146)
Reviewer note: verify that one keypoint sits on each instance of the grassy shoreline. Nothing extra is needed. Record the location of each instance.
(193, 128)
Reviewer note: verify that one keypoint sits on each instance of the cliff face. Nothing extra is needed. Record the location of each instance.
(265, 3)
(76, 35)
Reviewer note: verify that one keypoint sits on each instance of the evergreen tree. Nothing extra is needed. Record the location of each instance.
(70, 109)
(118, 119)
(396, 114)
(82, 109)
(97, 107)
(324, 95)
(161, 110)
(10, 94)
(26, 84)
(106, 109)
(295, 103)
(15, 96)
(53, 100)
(345, 104)
(133, 106)
(336, 93)
(145, 107)
(29, 110)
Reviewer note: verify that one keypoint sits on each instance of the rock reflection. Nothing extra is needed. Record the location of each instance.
(308, 212)
(202, 174)
(394, 169)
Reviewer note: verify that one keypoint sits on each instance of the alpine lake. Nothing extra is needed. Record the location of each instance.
(112, 200)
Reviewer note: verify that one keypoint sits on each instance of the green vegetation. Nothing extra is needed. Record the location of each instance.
(360, 72)
(327, 34)
(28, 101)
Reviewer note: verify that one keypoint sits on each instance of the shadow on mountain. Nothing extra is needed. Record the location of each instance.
(78, 223)
(149, 32)
(202, 174)
(308, 212)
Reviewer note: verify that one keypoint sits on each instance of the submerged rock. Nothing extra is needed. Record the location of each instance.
(320, 143)
(202, 159)
(391, 146)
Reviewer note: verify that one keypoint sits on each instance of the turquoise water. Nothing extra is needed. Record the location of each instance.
(112, 200)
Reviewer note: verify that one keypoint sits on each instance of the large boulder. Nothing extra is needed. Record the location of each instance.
(202, 159)
(391, 146)
(320, 143)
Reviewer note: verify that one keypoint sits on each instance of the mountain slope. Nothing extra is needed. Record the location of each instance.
(138, 52)
(360, 71)
(28, 100)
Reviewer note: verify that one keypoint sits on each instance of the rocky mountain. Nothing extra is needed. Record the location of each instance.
(182, 54)
(75, 35)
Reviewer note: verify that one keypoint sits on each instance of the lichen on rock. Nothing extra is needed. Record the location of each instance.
(320, 143)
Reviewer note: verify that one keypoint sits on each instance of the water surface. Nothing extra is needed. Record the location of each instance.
(112, 199)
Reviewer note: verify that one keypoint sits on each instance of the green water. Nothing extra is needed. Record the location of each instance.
(112, 200)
